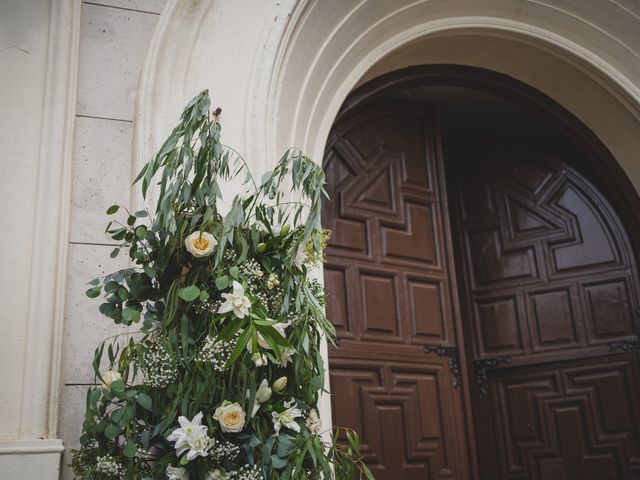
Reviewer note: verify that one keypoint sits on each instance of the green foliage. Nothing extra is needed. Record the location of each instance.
(226, 307)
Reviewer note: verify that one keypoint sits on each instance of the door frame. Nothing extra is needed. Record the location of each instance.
(617, 187)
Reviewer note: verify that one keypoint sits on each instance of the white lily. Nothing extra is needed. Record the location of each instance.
(236, 301)
(177, 473)
(260, 359)
(192, 437)
(216, 474)
(287, 418)
(280, 328)
(313, 422)
(263, 394)
(286, 356)
(301, 256)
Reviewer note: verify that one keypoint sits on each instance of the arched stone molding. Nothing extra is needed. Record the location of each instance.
(281, 70)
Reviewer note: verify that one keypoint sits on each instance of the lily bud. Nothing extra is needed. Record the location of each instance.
(280, 384)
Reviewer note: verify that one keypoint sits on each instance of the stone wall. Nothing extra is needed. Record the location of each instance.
(114, 39)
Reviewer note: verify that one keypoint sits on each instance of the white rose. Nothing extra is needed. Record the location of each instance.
(177, 473)
(313, 422)
(216, 474)
(273, 281)
(200, 244)
(109, 377)
(231, 417)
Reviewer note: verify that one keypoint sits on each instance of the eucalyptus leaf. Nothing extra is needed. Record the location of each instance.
(113, 209)
(189, 294)
(112, 431)
(144, 400)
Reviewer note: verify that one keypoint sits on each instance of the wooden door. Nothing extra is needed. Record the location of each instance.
(388, 276)
(550, 297)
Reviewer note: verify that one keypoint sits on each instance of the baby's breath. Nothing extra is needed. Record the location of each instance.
(107, 465)
(248, 472)
(217, 352)
(251, 270)
(224, 450)
(158, 366)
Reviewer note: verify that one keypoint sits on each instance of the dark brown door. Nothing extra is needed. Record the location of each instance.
(550, 285)
(388, 277)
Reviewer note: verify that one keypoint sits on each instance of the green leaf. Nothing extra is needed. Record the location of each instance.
(93, 292)
(234, 272)
(117, 386)
(144, 400)
(115, 252)
(112, 431)
(279, 462)
(222, 282)
(151, 273)
(116, 416)
(130, 449)
(94, 396)
(119, 234)
(141, 232)
(113, 209)
(189, 294)
(145, 437)
(240, 345)
(204, 296)
(130, 315)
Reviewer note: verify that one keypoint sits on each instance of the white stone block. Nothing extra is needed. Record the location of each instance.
(85, 327)
(71, 418)
(113, 45)
(101, 176)
(30, 459)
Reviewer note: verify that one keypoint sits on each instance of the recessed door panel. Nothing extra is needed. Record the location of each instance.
(389, 295)
(549, 282)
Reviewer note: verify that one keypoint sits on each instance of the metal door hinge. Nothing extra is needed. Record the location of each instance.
(480, 366)
(629, 345)
(451, 352)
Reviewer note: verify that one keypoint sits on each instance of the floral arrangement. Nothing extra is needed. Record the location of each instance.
(223, 378)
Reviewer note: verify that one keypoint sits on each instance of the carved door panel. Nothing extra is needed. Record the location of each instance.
(550, 284)
(388, 275)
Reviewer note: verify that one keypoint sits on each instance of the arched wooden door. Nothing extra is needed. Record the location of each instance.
(550, 297)
(549, 294)
(388, 277)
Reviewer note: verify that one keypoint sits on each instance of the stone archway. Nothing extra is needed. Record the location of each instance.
(293, 64)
